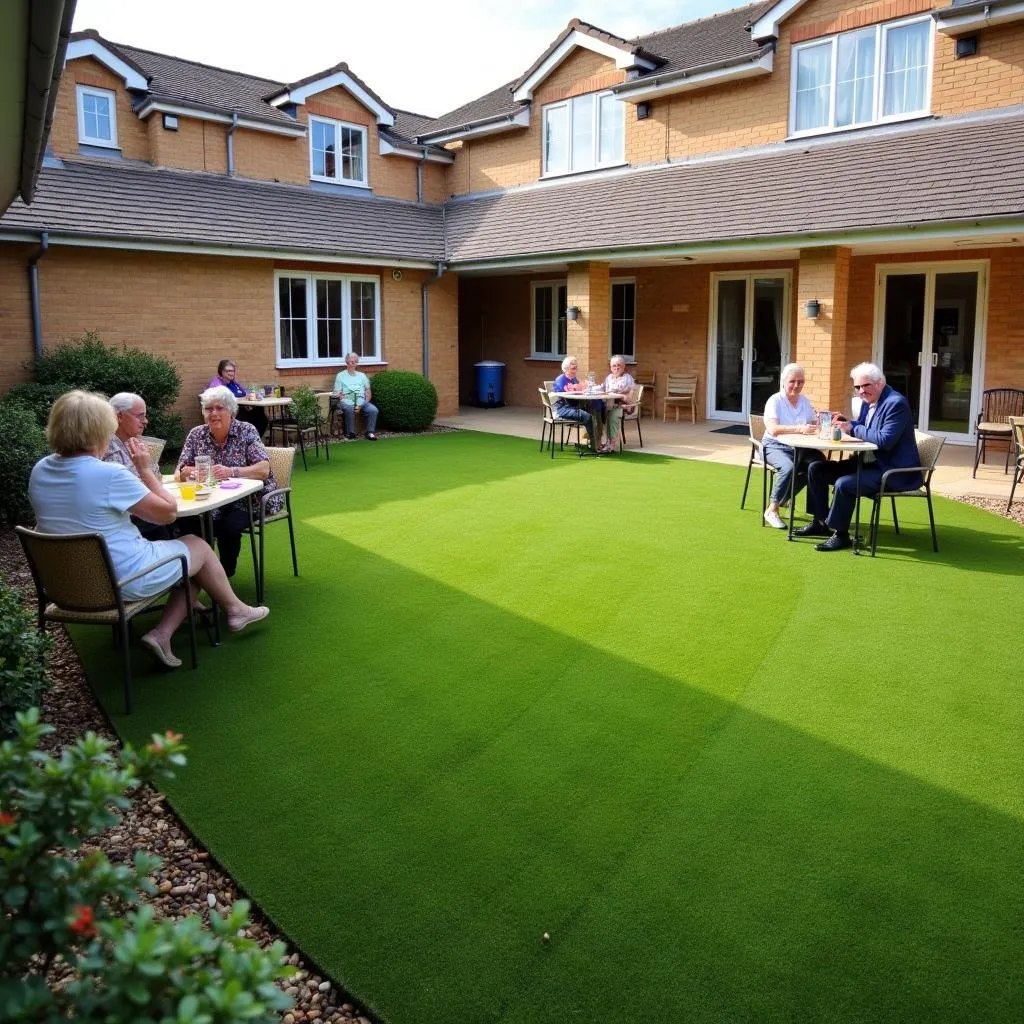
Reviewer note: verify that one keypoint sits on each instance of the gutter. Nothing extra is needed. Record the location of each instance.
(33, 291)
(425, 311)
(231, 143)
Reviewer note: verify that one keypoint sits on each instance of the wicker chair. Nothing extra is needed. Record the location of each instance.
(1017, 425)
(282, 462)
(552, 419)
(75, 582)
(635, 401)
(757, 459)
(928, 448)
(680, 390)
(997, 406)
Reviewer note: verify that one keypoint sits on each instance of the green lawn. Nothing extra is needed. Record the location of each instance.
(734, 779)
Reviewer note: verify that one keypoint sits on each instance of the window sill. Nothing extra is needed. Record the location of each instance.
(817, 133)
(540, 357)
(104, 149)
(333, 185)
(329, 367)
(551, 175)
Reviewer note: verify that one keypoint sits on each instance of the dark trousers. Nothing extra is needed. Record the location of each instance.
(257, 417)
(843, 477)
(228, 524)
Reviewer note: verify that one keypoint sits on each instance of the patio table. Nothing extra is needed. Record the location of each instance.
(811, 442)
(608, 397)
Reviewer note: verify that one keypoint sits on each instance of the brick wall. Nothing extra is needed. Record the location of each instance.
(15, 315)
(195, 146)
(993, 78)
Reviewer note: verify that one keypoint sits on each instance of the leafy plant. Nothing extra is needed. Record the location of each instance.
(407, 400)
(305, 406)
(24, 443)
(24, 660)
(61, 905)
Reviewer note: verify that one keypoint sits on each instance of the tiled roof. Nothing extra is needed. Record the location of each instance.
(497, 102)
(408, 125)
(134, 203)
(952, 171)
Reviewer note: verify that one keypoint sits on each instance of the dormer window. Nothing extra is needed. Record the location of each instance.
(337, 152)
(866, 76)
(97, 117)
(583, 133)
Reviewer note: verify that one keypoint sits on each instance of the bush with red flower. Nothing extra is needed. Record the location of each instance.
(78, 916)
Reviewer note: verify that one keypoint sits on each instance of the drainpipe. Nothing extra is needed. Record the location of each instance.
(33, 291)
(231, 143)
(424, 307)
(419, 176)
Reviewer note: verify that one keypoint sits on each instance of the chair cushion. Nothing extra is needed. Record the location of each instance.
(996, 428)
(131, 608)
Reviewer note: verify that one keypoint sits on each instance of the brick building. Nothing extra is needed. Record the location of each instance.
(821, 180)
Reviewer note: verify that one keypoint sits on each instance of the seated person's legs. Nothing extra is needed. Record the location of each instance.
(227, 529)
(257, 417)
(348, 411)
(370, 412)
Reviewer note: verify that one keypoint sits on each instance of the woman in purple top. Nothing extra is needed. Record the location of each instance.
(227, 374)
(236, 451)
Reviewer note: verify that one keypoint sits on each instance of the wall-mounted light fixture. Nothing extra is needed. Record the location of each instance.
(572, 313)
(812, 309)
(643, 110)
(171, 122)
(966, 46)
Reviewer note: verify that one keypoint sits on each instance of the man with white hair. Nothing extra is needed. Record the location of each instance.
(886, 420)
(130, 410)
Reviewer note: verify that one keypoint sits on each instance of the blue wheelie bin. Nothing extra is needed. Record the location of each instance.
(490, 380)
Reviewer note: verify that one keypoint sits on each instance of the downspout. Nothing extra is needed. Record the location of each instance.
(425, 309)
(419, 176)
(231, 143)
(33, 291)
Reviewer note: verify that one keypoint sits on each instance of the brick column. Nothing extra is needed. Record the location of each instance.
(589, 288)
(822, 345)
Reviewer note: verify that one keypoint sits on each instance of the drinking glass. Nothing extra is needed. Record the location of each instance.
(204, 470)
(188, 490)
(825, 425)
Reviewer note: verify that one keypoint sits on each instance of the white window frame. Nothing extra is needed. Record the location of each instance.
(311, 279)
(336, 178)
(882, 30)
(551, 286)
(84, 137)
(568, 107)
(615, 283)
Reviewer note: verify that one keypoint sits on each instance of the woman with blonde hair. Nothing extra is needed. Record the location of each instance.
(75, 491)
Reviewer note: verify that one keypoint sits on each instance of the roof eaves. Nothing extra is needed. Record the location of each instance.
(158, 101)
(91, 33)
(297, 92)
(517, 118)
(695, 72)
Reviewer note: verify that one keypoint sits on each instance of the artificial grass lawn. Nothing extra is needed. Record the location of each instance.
(734, 779)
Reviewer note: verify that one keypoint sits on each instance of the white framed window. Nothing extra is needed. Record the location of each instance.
(321, 317)
(337, 151)
(623, 321)
(97, 117)
(548, 333)
(865, 76)
(583, 133)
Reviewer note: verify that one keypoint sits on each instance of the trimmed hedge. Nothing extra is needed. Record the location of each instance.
(24, 444)
(407, 400)
(24, 660)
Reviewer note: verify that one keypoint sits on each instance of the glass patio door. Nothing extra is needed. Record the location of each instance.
(929, 341)
(749, 341)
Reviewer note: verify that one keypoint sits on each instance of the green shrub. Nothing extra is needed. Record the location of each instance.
(36, 397)
(305, 407)
(24, 660)
(407, 400)
(122, 965)
(170, 427)
(23, 445)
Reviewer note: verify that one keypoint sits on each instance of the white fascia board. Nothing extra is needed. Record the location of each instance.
(110, 60)
(910, 238)
(151, 106)
(683, 83)
(767, 26)
(520, 119)
(413, 153)
(346, 81)
(204, 249)
(623, 59)
(950, 23)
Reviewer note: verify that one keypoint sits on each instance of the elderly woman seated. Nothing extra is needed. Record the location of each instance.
(75, 491)
(235, 450)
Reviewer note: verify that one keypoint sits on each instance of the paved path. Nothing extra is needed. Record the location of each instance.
(703, 442)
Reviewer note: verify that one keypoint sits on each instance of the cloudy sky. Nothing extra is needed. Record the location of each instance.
(424, 57)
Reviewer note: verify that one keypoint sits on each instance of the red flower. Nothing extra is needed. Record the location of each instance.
(174, 737)
(83, 923)
(6, 819)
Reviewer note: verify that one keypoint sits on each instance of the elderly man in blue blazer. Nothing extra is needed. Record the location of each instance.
(885, 419)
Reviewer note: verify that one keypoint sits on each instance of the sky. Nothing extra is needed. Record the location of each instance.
(428, 58)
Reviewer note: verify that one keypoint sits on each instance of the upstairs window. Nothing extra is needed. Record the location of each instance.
(97, 117)
(337, 152)
(549, 302)
(623, 326)
(867, 76)
(320, 317)
(583, 133)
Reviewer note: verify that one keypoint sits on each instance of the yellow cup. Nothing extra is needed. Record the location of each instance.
(188, 491)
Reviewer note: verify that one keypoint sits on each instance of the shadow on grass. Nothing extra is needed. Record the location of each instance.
(416, 791)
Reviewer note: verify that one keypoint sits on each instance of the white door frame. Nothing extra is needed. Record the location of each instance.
(785, 342)
(929, 269)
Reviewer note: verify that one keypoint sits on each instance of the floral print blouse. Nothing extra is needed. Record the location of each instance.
(242, 447)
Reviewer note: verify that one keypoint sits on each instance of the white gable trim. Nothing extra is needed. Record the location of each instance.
(151, 106)
(767, 26)
(520, 119)
(635, 92)
(951, 23)
(348, 83)
(413, 152)
(623, 59)
(110, 60)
